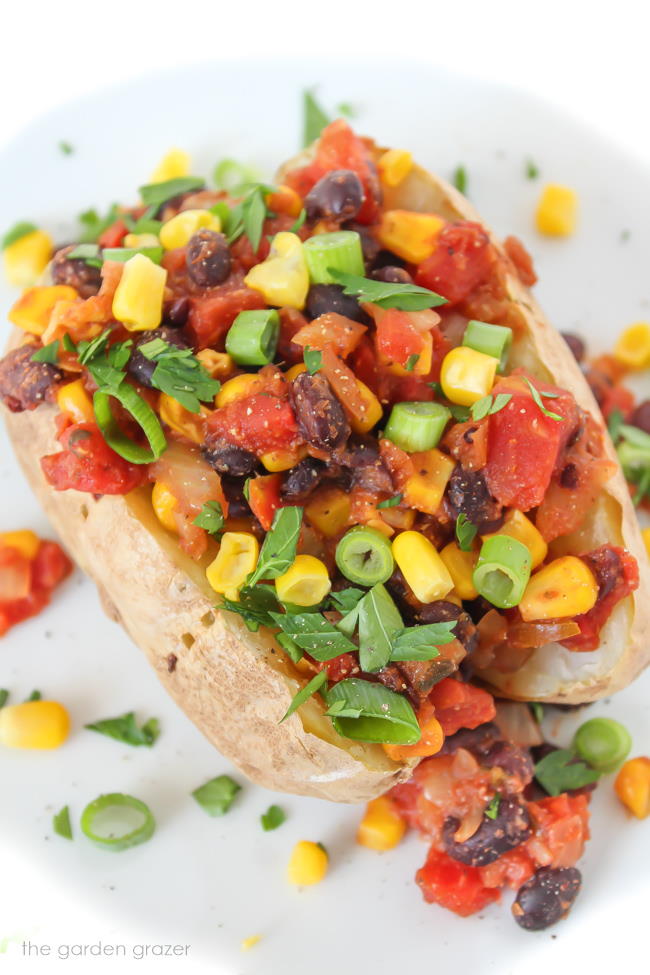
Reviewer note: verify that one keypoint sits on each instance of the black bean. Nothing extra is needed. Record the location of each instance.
(569, 476)
(226, 458)
(576, 345)
(641, 416)
(605, 563)
(208, 258)
(392, 275)
(475, 740)
(84, 278)
(547, 897)
(176, 312)
(142, 368)
(233, 489)
(324, 298)
(368, 469)
(301, 480)
(511, 758)
(494, 837)
(469, 494)
(384, 259)
(320, 416)
(337, 196)
(439, 611)
(24, 384)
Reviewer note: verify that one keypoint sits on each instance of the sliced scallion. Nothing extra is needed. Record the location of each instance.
(339, 251)
(364, 556)
(494, 340)
(502, 571)
(102, 819)
(603, 743)
(143, 415)
(417, 426)
(253, 337)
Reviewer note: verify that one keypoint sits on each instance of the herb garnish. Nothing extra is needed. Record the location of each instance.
(272, 818)
(34, 696)
(254, 606)
(488, 405)
(412, 362)
(537, 399)
(180, 374)
(314, 118)
(248, 216)
(614, 424)
(465, 533)
(313, 633)
(61, 823)
(216, 796)
(48, 353)
(125, 729)
(89, 253)
(407, 297)
(155, 194)
(66, 147)
(4, 695)
(18, 231)
(278, 552)
(492, 808)
(313, 360)
(364, 711)
(210, 518)
(537, 710)
(532, 172)
(634, 457)
(559, 771)
(391, 502)
(305, 693)
(422, 642)
(379, 623)
(94, 225)
(347, 599)
(460, 179)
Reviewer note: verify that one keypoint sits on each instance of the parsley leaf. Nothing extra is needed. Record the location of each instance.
(61, 823)
(180, 374)
(379, 623)
(614, 424)
(488, 405)
(66, 147)
(89, 253)
(532, 172)
(339, 709)
(559, 771)
(34, 696)
(155, 194)
(253, 216)
(460, 179)
(390, 502)
(4, 694)
(465, 533)
(300, 219)
(48, 353)
(492, 809)
(408, 297)
(412, 362)
(305, 693)
(421, 642)
(217, 796)
(17, 232)
(125, 729)
(346, 599)
(313, 360)
(313, 633)
(460, 413)
(254, 606)
(537, 399)
(272, 818)
(314, 118)
(106, 365)
(210, 518)
(279, 548)
(94, 225)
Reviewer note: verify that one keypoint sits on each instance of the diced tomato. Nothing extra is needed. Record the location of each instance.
(398, 462)
(463, 259)
(87, 463)
(341, 333)
(396, 339)
(264, 498)
(259, 423)
(429, 744)
(467, 443)
(617, 398)
(113, 235)
(521, 259)
(561, 829)
(340, 667)
(340, 148)
(512, 869)
(461, 705)
(15, 574)
(614, 585)
(210, 317)
(344, 384)
(454, 885)
(50, 566)
(524, 444)
(39, 577)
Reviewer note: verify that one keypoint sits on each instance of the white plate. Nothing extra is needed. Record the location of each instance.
(210, 883)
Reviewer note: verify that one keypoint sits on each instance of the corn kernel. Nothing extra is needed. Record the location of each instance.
(73, 400)
(178, 231)
(173, 164)
(373, 413)
(179, 419)
(164, 504)
(645, 534)
(239, 387)
(218, 365)
(33, 309)
(422, 567)
(282, 279)
(249, 943)
(467, 375)
(382, 827)
(235, 561)
(402, 518)
(412, 236)
(633, 346)
(25, 541)
(632, 786)
(424, 489)
(141, 240)
(328, 511)
(138, 298)
(296, 370)
(394, 166)
(461, 566)
(307, 865)
(26, 259)
(518, 526)
(557, 211)
(283, 460)
(564, 587)
(305, 583)
(34, 724)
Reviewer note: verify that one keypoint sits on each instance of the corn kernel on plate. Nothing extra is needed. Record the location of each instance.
(242, 859)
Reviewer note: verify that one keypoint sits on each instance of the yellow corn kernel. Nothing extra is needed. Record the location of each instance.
(467, 375)
(518, 526)
(25, 541)
(382, 827)
(411, 236)
(282, 279)
(164, 505)
(645, 534)
(138, 298)
(235, 561)
(632, 786)
(178, 231)
(73, 399)
(633, 346)
(424, 489)
(296, 370)
(283, 460)
(249, 943)
(307, 865)
(179, 419)
(246, 384)
(305, 583)
(374, 411)
(557, 211)
(422, 567)
(141, 240)
(394, 166)
(402, 518)
(34, 724)
(218, 365)
(173, 164)
(461, 565)
(26, 259)
(328, 511)
(33, 309)
(564, 587)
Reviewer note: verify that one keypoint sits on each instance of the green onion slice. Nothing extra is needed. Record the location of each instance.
(365, 556)
(502, 571)
(104, 816)
(494, 340)
(123, 254)
(143, 415)
(253, 337)
(384, 717)
(61, 823)
(339, 251)
(603, 743)
(417, 426)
